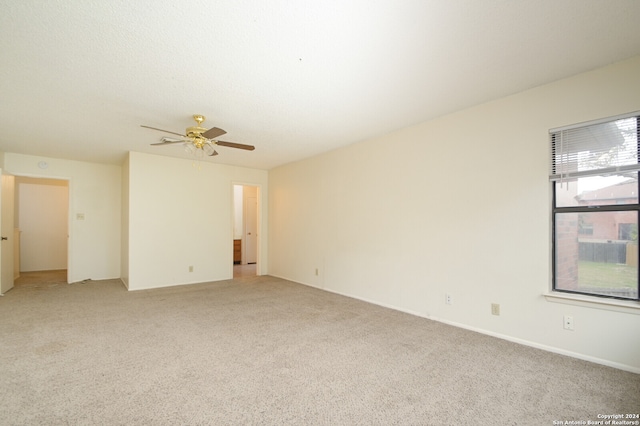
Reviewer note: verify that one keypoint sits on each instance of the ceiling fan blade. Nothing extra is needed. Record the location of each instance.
(236, 145)
(214, 153)
(168, 141)
(166, 131)
(213, 133)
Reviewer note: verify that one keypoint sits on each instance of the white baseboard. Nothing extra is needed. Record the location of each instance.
(547, 348)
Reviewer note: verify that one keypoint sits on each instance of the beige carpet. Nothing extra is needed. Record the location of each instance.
(260, 350)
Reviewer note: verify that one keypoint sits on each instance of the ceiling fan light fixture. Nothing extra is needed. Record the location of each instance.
(208, 149)
(189, 148)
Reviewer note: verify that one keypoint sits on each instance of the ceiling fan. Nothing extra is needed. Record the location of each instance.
(198, 140)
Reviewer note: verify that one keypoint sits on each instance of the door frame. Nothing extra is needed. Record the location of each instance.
(69, 210)
(259, 218)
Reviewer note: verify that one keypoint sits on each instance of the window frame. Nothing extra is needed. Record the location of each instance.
(555, 210)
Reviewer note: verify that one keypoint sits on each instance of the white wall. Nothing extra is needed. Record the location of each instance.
(95, 191)
(180, 215)
(43, 218)
(457, 205)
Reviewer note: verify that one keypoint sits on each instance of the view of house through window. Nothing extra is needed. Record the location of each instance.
(594, 171)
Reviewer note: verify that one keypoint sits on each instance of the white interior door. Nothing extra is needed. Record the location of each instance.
(6, 229)
(251, 229)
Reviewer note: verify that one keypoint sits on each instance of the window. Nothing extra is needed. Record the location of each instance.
(584, 228)
(628, 231)
(594, 174)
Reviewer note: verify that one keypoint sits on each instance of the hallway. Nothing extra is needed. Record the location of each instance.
(41, 279)
(240, 271)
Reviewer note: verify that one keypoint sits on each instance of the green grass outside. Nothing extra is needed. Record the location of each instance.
(607, 275)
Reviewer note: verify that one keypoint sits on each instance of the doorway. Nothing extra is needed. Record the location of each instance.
(42, 224)
(246, 236)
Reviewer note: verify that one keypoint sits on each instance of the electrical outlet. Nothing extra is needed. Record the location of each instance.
(190, 268)
(448, 299)
(568, 322)
(495, 309)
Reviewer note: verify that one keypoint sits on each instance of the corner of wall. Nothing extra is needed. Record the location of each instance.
(124, 221)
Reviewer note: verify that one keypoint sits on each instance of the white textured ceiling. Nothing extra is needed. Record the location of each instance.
(294, 78)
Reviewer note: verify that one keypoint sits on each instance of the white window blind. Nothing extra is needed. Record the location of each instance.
(596, 148)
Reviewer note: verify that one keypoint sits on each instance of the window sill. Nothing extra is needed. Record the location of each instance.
(626, 306)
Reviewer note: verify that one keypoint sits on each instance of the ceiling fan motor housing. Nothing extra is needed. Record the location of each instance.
(196, 132)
